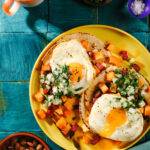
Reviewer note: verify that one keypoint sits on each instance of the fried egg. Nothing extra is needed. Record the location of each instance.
(109, 120)
(74, 55)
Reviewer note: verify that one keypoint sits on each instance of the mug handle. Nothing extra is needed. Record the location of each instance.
(10, 7)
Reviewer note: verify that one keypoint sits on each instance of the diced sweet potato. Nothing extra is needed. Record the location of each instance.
(39, 97)
(45, 67)
(103, 87)
(110, 47)
(110, 76)
(148, 90)
(41, 114)
(59, 111)
(115, 60)
(147, 96)
(87, 137)
(64, 98)
(141, 81)
(66, 129)
(61, 123)
(97, 70)
(147, 110)
(86, 45)
(98, 55)
(69, 118)
(113, 88)
(70, 102)
(78, 134)
(67, 112)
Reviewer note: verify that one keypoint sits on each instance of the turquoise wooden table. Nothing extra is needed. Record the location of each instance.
(22, 38)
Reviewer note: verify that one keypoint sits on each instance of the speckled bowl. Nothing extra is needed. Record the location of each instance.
(146, 11)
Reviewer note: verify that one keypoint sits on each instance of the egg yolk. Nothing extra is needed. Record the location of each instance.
(76, 72)
(114, 119)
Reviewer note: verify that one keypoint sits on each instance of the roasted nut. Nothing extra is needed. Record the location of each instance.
(30, 144)
(39, 147)
(17, 146)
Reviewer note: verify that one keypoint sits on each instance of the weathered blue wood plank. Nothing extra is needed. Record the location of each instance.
(142, 37)
(70, 13)
(116, 14)
(148, 45)
(15, 111)
(18, 53)
(26, 19)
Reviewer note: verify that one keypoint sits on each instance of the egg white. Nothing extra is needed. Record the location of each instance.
(73, 52)
(129, 131)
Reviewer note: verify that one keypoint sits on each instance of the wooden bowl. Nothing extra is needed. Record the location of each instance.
(23, 134)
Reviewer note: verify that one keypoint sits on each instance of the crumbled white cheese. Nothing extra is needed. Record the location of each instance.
(142, 104)
(130, 90)
(50, 98)
(138, 7)
(132, 110)
(55, 90)
(130, 98)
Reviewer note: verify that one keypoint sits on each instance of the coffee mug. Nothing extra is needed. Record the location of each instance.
(10, 7)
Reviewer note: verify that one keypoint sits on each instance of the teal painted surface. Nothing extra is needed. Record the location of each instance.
(22, 38)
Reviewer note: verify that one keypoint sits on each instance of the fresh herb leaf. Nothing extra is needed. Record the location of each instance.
(78, 89)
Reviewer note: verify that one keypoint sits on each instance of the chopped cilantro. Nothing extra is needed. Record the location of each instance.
(78, 89)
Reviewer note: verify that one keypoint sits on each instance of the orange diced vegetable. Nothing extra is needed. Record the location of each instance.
(70, 117)
(113, 88)
(141, 110)
(66, 130)
(147, 95)
(97, 70)
(59, 111)
(67, 112)
(101, 66)
(110, 47)
(141, 81)
(110, 76)
(148, 89)
(147, 110)
(64, 98)
(87, 137)
(45, 67)
(98, 55)
(61, 123)
(86, 45)
(78, 134)
(103, 87)
(41, 114)
(70, 102)
(39, 97)
(115, 60)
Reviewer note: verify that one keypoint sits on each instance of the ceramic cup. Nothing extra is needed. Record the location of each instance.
(10, 7)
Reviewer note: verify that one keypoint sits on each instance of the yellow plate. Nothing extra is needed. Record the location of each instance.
(106, 33)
